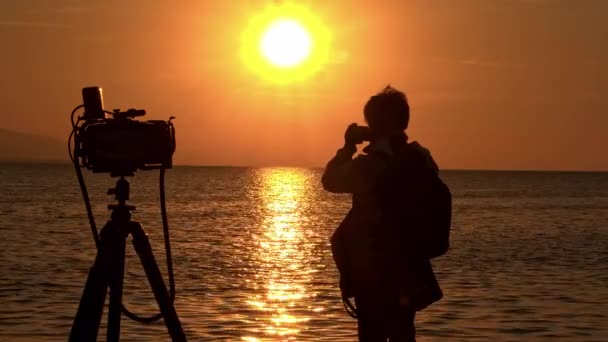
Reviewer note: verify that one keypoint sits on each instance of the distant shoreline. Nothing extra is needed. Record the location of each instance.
(67, 163)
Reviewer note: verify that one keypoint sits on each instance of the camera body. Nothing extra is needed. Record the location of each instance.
(115, 143)
(362, 133)
(125, 145)
(356, 134)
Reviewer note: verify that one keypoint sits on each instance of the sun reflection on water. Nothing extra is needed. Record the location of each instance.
(284, 272)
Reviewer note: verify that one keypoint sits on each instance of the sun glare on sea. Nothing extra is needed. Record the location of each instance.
(283, 257)
(285, 43)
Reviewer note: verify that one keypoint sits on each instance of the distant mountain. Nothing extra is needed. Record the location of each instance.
(16, 146)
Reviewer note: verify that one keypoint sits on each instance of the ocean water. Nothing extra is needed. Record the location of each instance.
(529, 258)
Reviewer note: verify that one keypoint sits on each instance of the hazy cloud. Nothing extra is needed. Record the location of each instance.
(482, 63)
(536, 2)
(33, 24)
(73, 10)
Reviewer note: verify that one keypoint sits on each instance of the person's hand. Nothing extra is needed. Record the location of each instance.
(352, 136)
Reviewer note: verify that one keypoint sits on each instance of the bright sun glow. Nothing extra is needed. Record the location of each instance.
(285, 43)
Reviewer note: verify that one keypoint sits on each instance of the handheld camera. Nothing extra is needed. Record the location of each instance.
(362, 133)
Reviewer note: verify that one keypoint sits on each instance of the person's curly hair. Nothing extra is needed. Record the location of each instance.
(388, 108)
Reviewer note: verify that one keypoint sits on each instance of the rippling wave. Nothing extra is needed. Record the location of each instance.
(252, 260)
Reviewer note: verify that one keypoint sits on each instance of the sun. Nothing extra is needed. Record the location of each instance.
(285, 43)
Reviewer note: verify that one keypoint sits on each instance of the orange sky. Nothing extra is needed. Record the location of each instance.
(493, 84)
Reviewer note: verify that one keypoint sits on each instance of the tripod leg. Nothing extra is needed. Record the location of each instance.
(144, 251)
(115, 276)
(88, 317)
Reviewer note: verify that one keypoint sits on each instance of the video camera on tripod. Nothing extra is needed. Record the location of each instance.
(115, 143)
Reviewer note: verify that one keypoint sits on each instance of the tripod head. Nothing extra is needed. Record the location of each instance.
(121, 193)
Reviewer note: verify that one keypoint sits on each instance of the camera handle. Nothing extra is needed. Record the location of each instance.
(130, 113)
(108, 272)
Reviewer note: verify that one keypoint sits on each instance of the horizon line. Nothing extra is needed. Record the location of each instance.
(66, 162)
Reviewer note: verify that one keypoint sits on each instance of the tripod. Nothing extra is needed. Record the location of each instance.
(108, 272)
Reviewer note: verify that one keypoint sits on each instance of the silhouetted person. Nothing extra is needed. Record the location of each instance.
(375, 247)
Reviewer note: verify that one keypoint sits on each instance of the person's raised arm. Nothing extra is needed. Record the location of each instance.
(343, 174)
(339, 172)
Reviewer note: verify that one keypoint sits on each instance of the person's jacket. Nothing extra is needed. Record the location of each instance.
(373, 251)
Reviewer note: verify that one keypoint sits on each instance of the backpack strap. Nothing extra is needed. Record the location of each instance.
(351, 309)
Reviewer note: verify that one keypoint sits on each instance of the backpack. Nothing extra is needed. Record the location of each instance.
(433, 234)
(420, 204)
